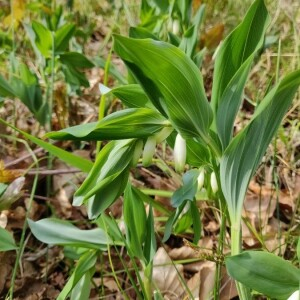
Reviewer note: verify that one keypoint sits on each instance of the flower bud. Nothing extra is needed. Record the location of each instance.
(213, 182)
(179, 153)
(163, 134)
(200, 179)
(176, 27)
(149, 151)
(295, 296)
(137, 152)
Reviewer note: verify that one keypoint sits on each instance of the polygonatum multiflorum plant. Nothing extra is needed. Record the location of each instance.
(167, 101)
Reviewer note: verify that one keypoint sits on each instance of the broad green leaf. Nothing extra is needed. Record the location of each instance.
(132, 95)
(28, 90)
(264, 272)
(107, 194)
(171, 80)
(135, 220)
(188, 189)
(58, 232)
(43, 38)
(82, 289)
(141, 33)
(62, 36)
(108, 177)
(75, 60)
(246, 150)
(184, 222)
(124, 124)
(71, 159)
(232, 66)
(74, 77)
(86, 262)
(230, 103)
(7, 241)
(5, 88)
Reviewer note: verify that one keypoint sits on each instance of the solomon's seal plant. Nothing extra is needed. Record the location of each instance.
(167, 100)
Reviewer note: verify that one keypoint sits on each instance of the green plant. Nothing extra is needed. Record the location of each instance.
(169, 103)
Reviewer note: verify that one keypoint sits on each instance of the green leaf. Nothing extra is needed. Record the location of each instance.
(108, 177)
(29, 92)
(135, 220)
(59, 232)
(189, 42)
(141, 33)
(109, 191)
(264, 272)
(43, 38)
(124, 124)
(246, 150)
(5, 88)
(132, 95)
(188, 190)
(172, 82)
(75, 60)
(232, 66)
(86, 262)
(150, 246)
(71, 159)
(7, 241)
(62, 36)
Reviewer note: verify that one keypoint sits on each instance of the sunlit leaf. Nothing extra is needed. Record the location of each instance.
(246, 150)
(172, 82)
(124, 124)
(43, 38)
(232, 66)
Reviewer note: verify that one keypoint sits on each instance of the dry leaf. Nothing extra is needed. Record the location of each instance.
(212, 37)
(8, 175)
(165, 276)
(17, 15)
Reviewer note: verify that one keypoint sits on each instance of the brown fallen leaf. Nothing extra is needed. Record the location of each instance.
(8, 175)
(165, 276)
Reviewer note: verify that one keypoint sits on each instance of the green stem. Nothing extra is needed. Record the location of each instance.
(243, 291)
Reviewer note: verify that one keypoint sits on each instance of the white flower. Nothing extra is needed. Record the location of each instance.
(295, 296)
(137, 153)
(163, 134)
(213, 182)
(200, 179)
(149, 151)
(179, 153)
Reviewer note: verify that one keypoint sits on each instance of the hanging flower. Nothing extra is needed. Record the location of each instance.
(179, 153)
(201, 178)
(149, 151)
(213, 182)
